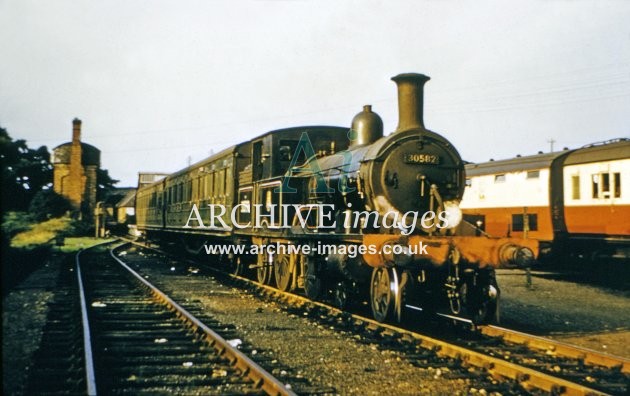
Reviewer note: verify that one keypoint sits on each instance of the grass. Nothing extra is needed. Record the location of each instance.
(41, 233)
(74, 244)
(45, 234)
(27, 245)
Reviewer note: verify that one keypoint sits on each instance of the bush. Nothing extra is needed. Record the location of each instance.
(47, 204)
(15, 222)
(81, 228)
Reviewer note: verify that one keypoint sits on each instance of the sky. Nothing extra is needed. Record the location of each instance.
(159, 84)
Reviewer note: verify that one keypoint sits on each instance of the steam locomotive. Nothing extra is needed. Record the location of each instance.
(343, 214)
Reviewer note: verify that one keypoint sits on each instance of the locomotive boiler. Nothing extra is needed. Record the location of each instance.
(410, 170)
(390, 236)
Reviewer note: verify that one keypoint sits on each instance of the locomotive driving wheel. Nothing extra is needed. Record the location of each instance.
(283, 271)
(341, 295)
(383, 293)
(238, 266)
(401, 295)
(312, 281)
(480, 304)
(265, 269)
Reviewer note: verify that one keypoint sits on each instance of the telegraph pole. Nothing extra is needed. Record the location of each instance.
(551, 142)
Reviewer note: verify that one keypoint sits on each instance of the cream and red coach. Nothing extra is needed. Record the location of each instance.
(575, 202)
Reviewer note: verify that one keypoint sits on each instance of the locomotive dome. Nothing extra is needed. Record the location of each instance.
(367, 127)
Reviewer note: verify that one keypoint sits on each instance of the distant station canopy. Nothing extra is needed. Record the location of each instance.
(75, 168)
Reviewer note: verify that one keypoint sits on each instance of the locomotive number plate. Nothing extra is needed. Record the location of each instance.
(421, 159)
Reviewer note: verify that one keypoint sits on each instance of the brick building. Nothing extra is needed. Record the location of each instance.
(75, 167)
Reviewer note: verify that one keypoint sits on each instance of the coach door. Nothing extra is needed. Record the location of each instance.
(257, 160)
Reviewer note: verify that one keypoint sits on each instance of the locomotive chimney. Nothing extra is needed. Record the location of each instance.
(410, 100)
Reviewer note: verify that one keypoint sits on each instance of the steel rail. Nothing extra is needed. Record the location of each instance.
(260, 377)
(560, 348)
(90, 378)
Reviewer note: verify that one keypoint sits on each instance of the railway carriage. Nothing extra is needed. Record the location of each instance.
(575, 202)
(293, 191)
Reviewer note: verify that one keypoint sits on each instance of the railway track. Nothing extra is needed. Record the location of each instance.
(58, 364)
(552, 347)
(534, 363)
(136, 340)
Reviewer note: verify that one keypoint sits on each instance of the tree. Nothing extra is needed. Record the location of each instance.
(25, 172)
(48, 204)
(104, 184)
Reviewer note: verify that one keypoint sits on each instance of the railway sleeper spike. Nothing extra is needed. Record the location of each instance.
(486, 366)
(558, 389)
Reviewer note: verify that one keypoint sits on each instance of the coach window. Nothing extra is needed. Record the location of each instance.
(257, 160)
(605, 185)
(617, 184)
(499, 178)
(221, 178)
(209, 186)
(468, 182)
(533, 174)
(518, 223)
(270, 202)
(602, 188)
(244, 214)
(575, 184)
(225, 179)
(213, 188)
